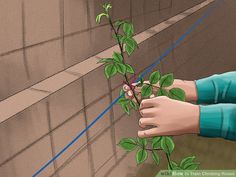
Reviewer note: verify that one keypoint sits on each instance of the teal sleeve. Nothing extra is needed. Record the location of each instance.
(217, 88)
(218, 120)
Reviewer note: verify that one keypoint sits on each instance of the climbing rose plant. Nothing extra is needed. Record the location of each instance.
(123, 32)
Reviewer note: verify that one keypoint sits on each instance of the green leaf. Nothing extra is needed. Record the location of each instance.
(186, 161)
(125, 107)
(154, 77)
(141, 156)
(121, 68)
(110, 70)
(119, 37)
(117, 57)
(118, 23)
(174, 165)
(177, 94)
(107, 6)
(105, 60)
(155, 157)
(99, 16)
(156, 142)
(129, 69)
(123, 101)
(128, 29)
(134, 105)
(146, 91)
(167, 80)
(167, 144)
(162, 92)
(192, 166)
(130, 45)
(129, 144)
(142, 141)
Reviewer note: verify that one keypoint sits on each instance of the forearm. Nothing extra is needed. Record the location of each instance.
(218, 121)
(218, 88)
(189, 87)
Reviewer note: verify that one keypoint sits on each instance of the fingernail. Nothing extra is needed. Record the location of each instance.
(130, 93)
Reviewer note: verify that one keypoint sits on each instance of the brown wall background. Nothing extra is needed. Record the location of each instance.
(39, 38)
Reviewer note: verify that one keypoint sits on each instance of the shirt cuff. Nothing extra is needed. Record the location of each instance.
(210, 121)
(205, 90)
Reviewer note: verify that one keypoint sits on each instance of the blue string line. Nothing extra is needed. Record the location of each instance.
(209, 11)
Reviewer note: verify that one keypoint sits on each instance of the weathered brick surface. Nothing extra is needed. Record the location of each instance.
(23, 129)
(30, 161)
(10, 33)
(80, 165)
(65, 103)
(39, 25)
(77, 48)
(102, 149)
(40, 57)
(65, 134)
(92, 111)
(9, 64)
(75, 16)
(95, 85)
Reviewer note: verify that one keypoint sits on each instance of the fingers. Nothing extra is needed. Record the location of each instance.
(147, 103)
(148, 133)
(149, 112)
(143, 122)
(126, 87)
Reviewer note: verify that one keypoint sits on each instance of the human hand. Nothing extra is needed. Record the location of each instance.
(168, 117)
(189, 88)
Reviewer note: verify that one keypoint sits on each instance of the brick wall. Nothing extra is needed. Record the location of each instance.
(38, 45)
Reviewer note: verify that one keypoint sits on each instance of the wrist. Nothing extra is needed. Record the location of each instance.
(196, 119)
(189, 87)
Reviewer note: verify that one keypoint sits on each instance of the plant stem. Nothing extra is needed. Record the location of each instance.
(122, 54)
(168, 159)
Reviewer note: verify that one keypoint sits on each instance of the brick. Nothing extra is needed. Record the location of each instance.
(22, 129)
(139, 23)
(95, 84)
(93, 110)
(101, 38)
(44, 60)
(151, 19)
(65, 103)
(102, 149)
(13, 74)
(168, 65)
(42, 20)
(79, 166)
(11, 30)
(165, 4)
(63, 135)
(77, 48)
(150, 6)
(138, 7)
(105, 169)
(30, 161)
(117, 6)
(75, 16)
